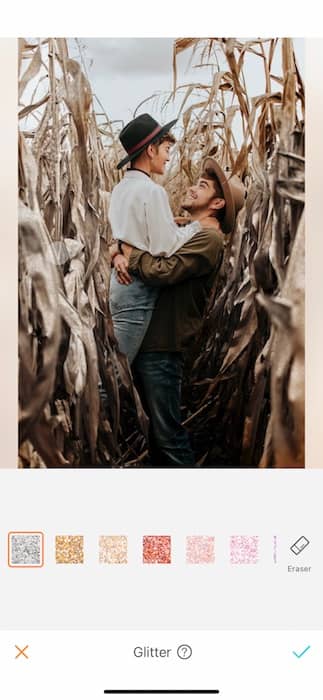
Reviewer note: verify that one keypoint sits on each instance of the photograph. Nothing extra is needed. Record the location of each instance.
(161, 253)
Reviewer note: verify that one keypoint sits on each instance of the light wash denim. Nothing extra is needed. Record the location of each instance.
(131, 309)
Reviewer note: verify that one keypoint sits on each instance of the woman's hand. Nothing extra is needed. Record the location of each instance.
(182, 220)
(121, 264)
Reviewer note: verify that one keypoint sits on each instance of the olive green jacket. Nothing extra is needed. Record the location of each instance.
(186, 279)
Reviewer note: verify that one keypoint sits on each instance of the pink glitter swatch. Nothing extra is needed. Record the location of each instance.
(157, 549)
(200, 549)
(243, 549)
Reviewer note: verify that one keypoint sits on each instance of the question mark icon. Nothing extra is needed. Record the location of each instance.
(184, 651)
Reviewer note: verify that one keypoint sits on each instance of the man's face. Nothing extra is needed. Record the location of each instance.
(160, 156)
(200, 196)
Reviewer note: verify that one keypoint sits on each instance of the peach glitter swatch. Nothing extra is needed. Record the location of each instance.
(113, 549)
(200, 549)
(157, 549)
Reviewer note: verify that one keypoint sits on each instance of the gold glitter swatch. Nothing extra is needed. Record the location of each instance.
(113, 549)
(69, 549)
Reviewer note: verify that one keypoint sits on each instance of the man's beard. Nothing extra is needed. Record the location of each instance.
(192, 208)
(188, 207)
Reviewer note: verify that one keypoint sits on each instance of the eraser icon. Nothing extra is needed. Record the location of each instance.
(299, 545)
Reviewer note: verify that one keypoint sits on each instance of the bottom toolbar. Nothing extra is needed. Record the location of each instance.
(91, 665)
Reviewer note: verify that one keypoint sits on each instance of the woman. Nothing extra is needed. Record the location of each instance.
(140, 215)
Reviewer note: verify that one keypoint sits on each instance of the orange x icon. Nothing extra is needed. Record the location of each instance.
(22, 651)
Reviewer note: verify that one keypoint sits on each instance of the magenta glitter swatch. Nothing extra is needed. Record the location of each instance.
(244, 549)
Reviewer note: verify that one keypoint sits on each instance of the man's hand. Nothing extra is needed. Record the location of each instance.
(121, 265)
(113, 251)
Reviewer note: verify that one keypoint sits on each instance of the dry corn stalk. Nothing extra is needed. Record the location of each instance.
(244, 397)
(67, 345)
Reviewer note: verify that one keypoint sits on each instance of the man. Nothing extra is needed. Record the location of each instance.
(186, 280)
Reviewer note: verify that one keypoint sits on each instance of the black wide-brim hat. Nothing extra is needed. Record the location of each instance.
(139, 133)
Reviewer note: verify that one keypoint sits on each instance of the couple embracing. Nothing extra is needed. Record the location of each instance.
(163, 275)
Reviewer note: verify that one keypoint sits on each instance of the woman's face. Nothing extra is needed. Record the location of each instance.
(160, 156)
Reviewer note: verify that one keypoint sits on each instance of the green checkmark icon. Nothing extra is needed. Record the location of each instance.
(299, 656)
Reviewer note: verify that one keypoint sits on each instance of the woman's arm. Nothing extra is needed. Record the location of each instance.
(164, 236)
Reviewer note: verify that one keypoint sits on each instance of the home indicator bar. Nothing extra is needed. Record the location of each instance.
(162, 692)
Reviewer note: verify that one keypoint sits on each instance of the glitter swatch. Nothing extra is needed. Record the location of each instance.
(26, 549)
(244, 550)
(199, 549)
(113, 549)
(69, 549)
(157, 549)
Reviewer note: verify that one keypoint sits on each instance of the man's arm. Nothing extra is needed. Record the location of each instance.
(198, 257)
(120, 262)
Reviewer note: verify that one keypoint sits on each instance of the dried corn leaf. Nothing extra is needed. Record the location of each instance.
(31, 72)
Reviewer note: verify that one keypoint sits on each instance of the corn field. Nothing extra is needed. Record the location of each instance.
(243, 395)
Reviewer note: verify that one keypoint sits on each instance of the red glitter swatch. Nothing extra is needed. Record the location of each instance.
(156, 549)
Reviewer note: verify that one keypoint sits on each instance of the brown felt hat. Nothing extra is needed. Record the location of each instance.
(233, 193)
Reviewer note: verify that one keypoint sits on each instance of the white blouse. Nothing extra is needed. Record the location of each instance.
(140, 215)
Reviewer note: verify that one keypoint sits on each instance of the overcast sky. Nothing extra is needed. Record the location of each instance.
(124, 72)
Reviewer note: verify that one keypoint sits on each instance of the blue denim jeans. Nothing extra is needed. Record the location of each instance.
(131, 309)
(159, 378)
